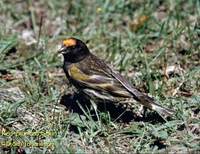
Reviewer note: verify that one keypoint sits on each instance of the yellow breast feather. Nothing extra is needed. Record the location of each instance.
(77, 74)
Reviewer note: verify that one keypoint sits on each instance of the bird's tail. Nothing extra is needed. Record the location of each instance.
(142, 98)
(165, 112)
(151, 103)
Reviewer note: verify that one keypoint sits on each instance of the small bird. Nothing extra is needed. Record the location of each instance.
(92, 76)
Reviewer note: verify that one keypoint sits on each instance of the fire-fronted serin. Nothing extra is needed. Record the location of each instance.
(96, 79)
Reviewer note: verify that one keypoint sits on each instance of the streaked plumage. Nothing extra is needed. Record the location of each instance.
(95, 78)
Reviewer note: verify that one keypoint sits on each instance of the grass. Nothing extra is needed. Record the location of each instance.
(142, 50)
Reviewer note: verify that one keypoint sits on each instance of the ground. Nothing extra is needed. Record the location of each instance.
(155, 44)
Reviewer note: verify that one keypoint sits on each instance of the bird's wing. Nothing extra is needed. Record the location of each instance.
(141, 97)
(98, 81)
(137, 95)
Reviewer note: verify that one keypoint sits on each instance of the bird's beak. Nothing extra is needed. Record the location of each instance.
(61, 50)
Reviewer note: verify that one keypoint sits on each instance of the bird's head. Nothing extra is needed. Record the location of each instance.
(74, 50)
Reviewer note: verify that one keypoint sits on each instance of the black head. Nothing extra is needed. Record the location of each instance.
(74, 50)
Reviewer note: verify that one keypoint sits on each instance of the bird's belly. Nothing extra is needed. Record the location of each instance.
(98, 94)
(127, 102)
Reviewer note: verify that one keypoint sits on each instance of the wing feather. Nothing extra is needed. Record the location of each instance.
(98, 82)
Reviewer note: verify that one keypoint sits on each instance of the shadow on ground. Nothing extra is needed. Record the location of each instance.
(117, 113)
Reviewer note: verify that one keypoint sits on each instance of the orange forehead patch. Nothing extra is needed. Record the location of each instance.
(69, 42)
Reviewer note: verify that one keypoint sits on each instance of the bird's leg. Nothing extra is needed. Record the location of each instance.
(94, 105)
(142, 111)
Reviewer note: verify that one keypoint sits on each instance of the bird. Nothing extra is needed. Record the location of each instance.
(98, 80)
